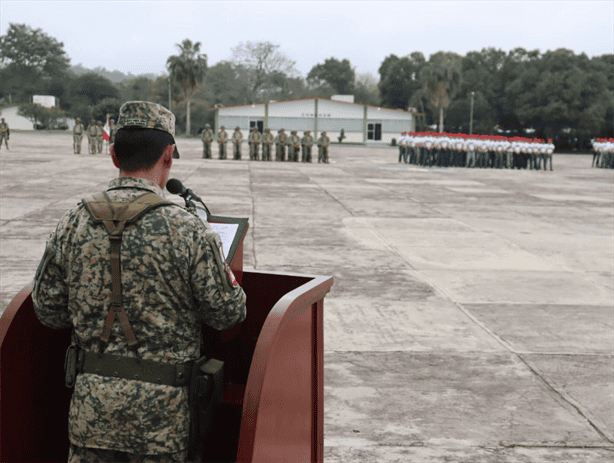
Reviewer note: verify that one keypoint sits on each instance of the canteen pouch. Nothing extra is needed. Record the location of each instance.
(205, 397)
(70, 365)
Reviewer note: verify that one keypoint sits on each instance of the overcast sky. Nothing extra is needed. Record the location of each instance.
(138, 36)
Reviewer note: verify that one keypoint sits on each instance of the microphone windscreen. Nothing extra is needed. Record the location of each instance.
(174, 186)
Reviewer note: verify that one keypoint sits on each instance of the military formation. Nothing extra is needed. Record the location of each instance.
(474, 151)
(603, 153)
(294, 145)
(95, 135)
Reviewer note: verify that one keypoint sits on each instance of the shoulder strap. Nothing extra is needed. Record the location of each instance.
(114, 215)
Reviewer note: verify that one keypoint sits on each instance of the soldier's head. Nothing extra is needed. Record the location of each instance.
(145, 140)
(267, 130)
(237, 129)
(78, 120)
(323, 133)
(2, 119)
(281, 130)
(223, 128)
(98, 123)
(308, 132)
(112, 121)
(207, 126)
(92, 123)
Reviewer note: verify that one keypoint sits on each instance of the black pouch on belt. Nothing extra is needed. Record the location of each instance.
(205, 397)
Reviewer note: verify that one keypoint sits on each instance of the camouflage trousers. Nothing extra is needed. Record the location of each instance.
(88, 455)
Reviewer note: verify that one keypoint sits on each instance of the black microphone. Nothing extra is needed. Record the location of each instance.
(175, 187)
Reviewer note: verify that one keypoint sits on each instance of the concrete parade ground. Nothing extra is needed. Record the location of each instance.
(472, 314)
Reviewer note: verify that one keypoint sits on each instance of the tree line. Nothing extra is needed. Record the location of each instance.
(551, 95)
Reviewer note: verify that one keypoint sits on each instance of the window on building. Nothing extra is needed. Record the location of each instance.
(374, 131)
(258, 124)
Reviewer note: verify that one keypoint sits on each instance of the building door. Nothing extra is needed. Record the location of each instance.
(374, 131)
(258, 124)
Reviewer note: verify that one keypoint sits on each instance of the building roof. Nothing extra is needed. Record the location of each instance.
(412, 110)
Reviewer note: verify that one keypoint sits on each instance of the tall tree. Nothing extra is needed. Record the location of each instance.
(188, 69)
(399, 79)
(441, 78)
(338, 74)
(29, 57)
(262, 63)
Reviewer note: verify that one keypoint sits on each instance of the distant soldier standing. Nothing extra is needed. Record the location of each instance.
(91, 137)
(323, 143)
(112, 132)
(280, 146)
(254, 143)
(307, 143)
(295, 142)
(5, 132)
(99, 136)
(237, 139)
(267, 141)
(222, 139)
(207, 138)
(77, 136)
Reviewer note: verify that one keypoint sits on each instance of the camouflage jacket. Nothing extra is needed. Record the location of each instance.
(222, 136)
(237, 136)
(267, 138)
(254, 138)
(78, 129)
(307, 140)
(173, 278)
(207, 135)
(323, 141)
(92, 131)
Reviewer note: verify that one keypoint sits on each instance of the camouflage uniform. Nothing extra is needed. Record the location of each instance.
(323, 143)
(207, 138)
(280, 145)
(307, 143)
(77, 136)
(254, 143)
(99, 136)
(173, 277)
(91, 137)
(4, 133)
(267, 141)
(222, 139)
(295, 146)
(112, 131)
(237, 139)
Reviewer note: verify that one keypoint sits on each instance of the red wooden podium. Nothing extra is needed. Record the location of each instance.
(272, 408)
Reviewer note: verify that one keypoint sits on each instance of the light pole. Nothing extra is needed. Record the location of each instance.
(169, 92)
(471, 118)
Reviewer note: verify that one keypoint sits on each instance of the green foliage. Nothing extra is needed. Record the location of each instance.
(40, 114)
(188, 70)
(338, 74)
(106, 106)
(399, 79)
(28, 58)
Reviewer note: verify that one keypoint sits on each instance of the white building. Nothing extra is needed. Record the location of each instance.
(360, 123)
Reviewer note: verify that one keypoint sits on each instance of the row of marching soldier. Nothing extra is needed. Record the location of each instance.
(603, 153)
(95, 135)
(474, 151)
(294, 143)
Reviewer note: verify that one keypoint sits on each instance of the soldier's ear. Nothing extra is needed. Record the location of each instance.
(114, 156)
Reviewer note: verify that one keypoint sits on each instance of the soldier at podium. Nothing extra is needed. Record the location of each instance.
(161, 270)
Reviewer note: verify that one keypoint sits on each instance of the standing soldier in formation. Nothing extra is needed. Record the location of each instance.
(307, 143)
(237, 139)
(280, 145)
(77, 136)
(99, 136)
(5, 133)
(401, 143)
(267, 141)
(222, 139)
(112, 132)
(254, 143)
(295, 142)
(207, 138)
(323, 143)
(91, 137)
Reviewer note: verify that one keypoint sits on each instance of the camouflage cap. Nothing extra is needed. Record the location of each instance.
(147, 115)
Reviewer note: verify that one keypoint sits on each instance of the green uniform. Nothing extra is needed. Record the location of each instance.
(237, 139)
(173, 277)
(207, 137)
(222, 139)
(5, 133)
(294, 142)
(307, 143)
(77, 136)
(254, 142)
(99, 137)
(91, 138)
(267, 141)
(323, 143)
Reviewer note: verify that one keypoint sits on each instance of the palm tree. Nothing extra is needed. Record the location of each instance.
(188, 69)
(442, 80)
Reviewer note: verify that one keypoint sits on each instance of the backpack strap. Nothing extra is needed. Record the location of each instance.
(114, 215)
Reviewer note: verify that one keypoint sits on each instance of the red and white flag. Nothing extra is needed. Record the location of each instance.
(106, 132)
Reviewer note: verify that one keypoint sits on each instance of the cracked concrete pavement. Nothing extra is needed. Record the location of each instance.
(471, 319)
